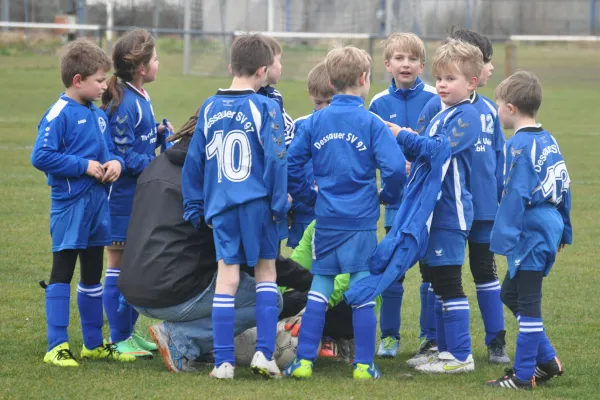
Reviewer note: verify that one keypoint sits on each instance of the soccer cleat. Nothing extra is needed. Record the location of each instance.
(345, 350)
(144, 344)
(223, 371)
(108, 351)
(263, 367)
(61, 355)
(388, 347)
(445, 363)
(512, 382)
(425, 354)
(130, 347)
(363, 372)
(549, 370)
(174, 360)
(328, 348)
(497, 350)
(300, 369)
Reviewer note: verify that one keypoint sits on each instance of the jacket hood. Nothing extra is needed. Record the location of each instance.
(177, 153)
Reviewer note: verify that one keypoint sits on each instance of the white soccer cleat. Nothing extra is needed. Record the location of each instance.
(263, 367)
(224, 371)
(422, 358)
(445, 363)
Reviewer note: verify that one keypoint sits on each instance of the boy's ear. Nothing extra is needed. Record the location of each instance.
(510, 107)
(229, 69)
(473, 82)
(262, 71)
(77, 79)
(387, 65)
(363, 79)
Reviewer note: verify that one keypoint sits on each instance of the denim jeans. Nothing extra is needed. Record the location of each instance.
(189, 325)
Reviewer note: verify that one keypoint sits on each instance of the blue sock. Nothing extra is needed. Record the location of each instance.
(430, 333)
(546, 352)
(89, 301)
(389, 316)
(58, 296)
(456, 323)
(492, 311)
(528, 340)
(266, 317)
(439, 325)
(313, 322)
(120, 323)
(223, 318)
(423, 291)
(364, 322)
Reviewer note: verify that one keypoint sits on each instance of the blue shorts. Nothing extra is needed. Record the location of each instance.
(118, 229)
(83, 224)
(481, 231)
(446, 247)
(350, 253)
(389, 216)
(282, 230)
(295, 234)
(246, 233)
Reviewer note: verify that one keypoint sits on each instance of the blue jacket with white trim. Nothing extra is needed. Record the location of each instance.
(346, 144)
(402, 107)
(237, 155)
(70, 134)
(461, 125)
(288, 122)
(535, 175)
(488, 159)
(302, 212)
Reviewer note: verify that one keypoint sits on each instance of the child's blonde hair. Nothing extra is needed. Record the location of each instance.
(523, 90)
(403, 42)
(345, 65)
(460, 55)
(318, 82)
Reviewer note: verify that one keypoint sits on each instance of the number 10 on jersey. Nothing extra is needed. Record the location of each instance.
(235, 169)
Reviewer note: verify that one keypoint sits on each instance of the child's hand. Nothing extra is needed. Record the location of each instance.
(162, 127)
(394, 128)
(407, 168)
(409, 130)
(379, 194)
(95, 170)
(561, 247)
(290, 200)
(113, 171)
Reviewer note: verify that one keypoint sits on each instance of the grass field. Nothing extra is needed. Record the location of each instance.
(30, 83)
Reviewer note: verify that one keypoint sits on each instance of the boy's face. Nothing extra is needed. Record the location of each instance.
(92, 87)
(151, 70)
(320, 102)
(453, 86)
(274, 73)
(405, 68)
(506, 114)
(486, 74)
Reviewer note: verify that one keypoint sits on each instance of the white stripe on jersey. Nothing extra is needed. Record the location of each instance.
(56, 109)
(460, 212)
(137, 103)
(206, 111)
(430, 89)
(257, 120)
(492, 109)
(378, 95)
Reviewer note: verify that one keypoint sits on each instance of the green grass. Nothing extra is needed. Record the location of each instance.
(31, 83)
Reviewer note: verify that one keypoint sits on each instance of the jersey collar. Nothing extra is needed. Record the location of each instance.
(136, 91)
(234, 92)
(530, 128)
(407, 93)
(347, 99)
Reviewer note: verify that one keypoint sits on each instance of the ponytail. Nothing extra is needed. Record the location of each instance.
(187, 129)
(113, 95)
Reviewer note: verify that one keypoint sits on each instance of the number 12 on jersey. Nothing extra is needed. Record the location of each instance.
(235, 169)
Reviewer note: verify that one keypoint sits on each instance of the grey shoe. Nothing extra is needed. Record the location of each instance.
(345, 350)
(174, 360)
(497, 350)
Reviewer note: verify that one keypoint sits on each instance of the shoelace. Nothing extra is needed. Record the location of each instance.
(64, 354)
(112, 350)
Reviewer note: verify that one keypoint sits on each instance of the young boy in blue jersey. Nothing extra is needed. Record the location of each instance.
(486, 187)
(235, 179)
(533, 224)
(346, 144)
(136, 136)
(72, 151)
(320, 93)
(456, 67)
(401, 103)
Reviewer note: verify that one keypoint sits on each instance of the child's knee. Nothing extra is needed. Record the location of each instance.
(323, 284)
(357, 276)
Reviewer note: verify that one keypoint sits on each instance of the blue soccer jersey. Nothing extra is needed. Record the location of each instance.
(288, 122)
(237, 155)
(302, 212)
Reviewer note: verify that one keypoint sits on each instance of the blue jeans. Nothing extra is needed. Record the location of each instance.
(189, 325)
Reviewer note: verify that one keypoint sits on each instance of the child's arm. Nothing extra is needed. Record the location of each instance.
(48, 157)
(564, 208)
(302, 254)
(192, 177)
(112, 164)
(431, 109)
(275, 173)
(500, 156)
(122, 132)
(520, 183)
(299, 154)
(390, 161)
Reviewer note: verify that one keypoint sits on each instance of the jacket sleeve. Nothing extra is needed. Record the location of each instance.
(122, 132)
(500, 156)
(299, 154)
(293, 275)
(520, 183)
(390, 162)
(433, 106)
(192, 177)
(275, 173)
(564, 209)
(47, 155)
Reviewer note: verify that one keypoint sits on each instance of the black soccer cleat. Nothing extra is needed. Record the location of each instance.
(512, 382)
(545, 372)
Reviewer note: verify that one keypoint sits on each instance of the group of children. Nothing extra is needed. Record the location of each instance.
(249, 167)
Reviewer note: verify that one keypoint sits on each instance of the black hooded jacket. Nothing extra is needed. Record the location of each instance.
(166, 260)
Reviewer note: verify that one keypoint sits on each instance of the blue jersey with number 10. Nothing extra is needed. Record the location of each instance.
(237, 155)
